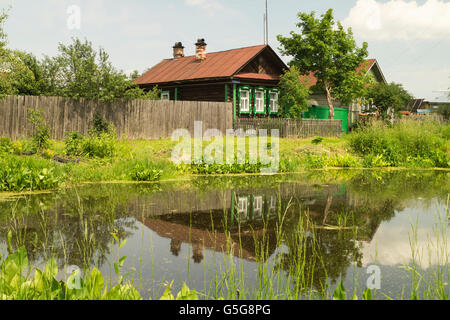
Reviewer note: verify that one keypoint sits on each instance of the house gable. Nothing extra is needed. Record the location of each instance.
(266, 62)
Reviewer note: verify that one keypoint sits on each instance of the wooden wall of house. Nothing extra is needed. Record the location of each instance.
(212, 92)
(262, 64)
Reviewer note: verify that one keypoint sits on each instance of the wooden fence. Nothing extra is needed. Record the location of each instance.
(294, 128)
(136, 119)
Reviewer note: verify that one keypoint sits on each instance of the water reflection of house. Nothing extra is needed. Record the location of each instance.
(240, 218)
(200, 236)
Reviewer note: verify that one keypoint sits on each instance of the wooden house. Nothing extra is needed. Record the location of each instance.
(247, 77)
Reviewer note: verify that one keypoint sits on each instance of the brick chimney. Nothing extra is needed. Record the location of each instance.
(178, 50)
(200, 51)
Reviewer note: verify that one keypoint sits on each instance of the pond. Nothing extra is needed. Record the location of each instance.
(252, 237)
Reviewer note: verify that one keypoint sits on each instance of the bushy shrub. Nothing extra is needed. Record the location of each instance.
(41, 131)
(73, 144)
(400, 144)
(145, 171)
(317, 140)
(103, 145)
(5, 144)
(342, 161)
(28, 174)
(100, 125)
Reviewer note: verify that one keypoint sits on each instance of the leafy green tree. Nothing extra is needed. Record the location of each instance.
(444, 110)
(294, 94)
(385, 96)
(327, 50)
(3, 37)
(33, 83)
(20, 72)
(78, 71)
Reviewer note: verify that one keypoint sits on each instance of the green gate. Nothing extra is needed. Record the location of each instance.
(318, 112)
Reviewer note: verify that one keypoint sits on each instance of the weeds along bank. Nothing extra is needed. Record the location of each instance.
(409, 143)
(37, 163)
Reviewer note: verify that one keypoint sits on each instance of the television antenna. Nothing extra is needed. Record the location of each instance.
(266, 24)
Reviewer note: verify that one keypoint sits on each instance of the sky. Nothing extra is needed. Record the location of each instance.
(410, 39)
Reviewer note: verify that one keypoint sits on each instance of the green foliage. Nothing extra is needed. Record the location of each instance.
(3, 37)
(294, 94)
(235, 168)
(329, 52)
(79, 71)
(317, 140)
(17, 283)
(145, 171)
(19, 174)
(101, 126)
(385, 96)
(74, 144)
(5, 144)
(407, 143)
(41, 132)
(444, 110)
(100, 143)
(340, 293)
(327, 161)
(184, 294)
(20, 72)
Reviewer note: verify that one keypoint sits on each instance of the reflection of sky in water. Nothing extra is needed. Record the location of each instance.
(391, 244)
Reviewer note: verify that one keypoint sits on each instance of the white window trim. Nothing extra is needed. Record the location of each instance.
(261, 108)
(274, 102)
(247, 100)
(165, 94)
(243, 207)
(258, 206)
(273, 204)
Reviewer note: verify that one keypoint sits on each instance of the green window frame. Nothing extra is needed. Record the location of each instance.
(165, 93)
(248, 90)
(263, 91)
(269, 99)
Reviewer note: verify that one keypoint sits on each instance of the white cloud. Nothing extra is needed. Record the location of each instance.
(400, 20)
(210, 6)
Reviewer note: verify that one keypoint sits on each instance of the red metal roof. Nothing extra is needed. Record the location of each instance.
(257, 76)
(217, 65)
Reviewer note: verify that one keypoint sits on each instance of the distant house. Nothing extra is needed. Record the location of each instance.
(248, 77)
(417, 104)
(369, 67)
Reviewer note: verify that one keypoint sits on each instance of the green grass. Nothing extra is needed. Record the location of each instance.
(423, 144)
(409, 144)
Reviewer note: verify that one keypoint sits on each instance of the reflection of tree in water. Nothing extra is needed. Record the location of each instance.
(74, 228)
(324, 255)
